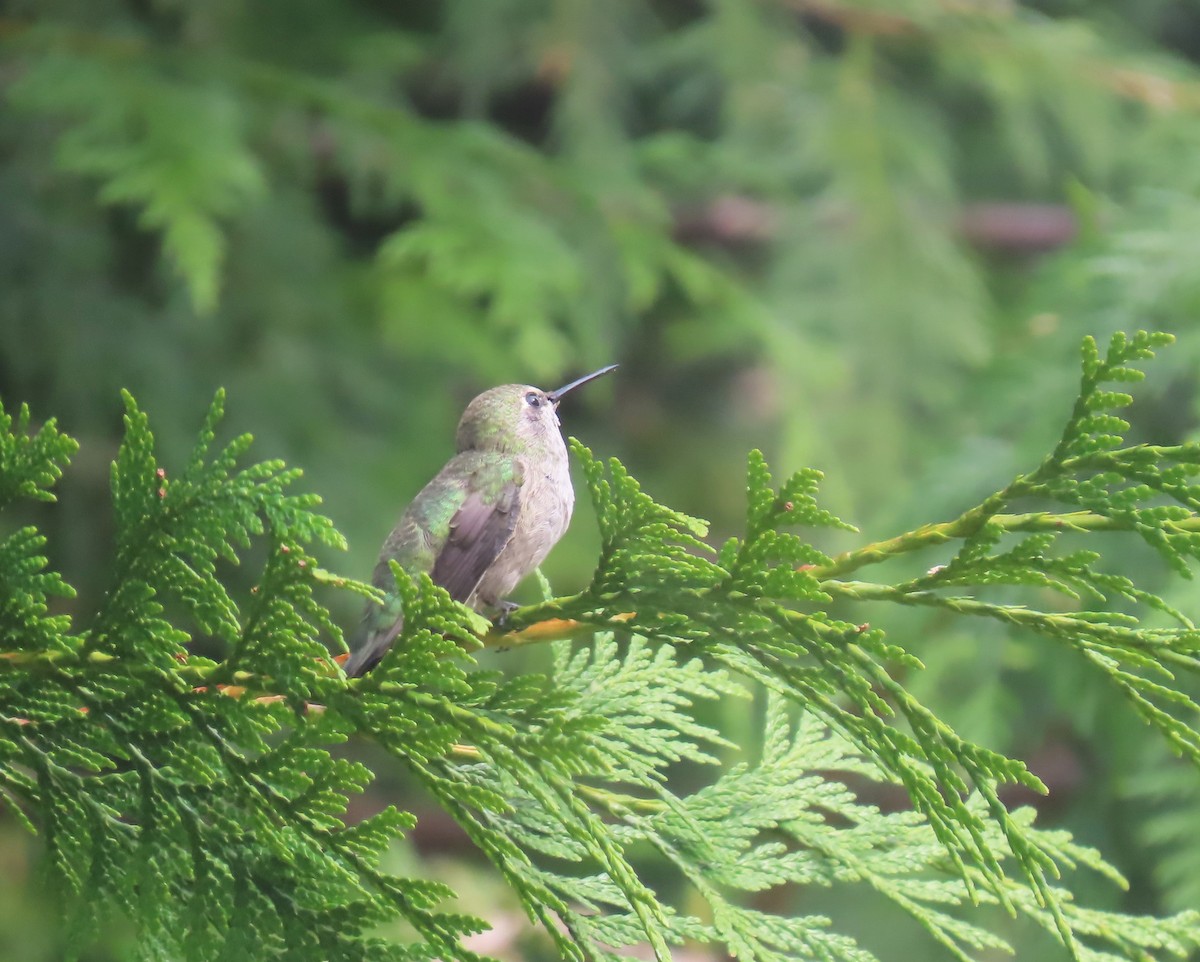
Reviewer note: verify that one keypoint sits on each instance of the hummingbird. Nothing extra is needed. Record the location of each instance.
(488, 518)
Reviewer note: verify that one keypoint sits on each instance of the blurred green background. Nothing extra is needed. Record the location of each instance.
(865, 237)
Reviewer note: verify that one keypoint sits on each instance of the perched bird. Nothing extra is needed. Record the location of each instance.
(490, 516)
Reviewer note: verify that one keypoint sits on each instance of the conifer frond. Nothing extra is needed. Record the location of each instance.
(199, 798)
(1142, 489)
(124, 113)
(740, 613)
(1171, 793)
(753, 610)
(31, 462)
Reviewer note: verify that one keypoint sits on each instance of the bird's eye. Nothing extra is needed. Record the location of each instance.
(533, 399)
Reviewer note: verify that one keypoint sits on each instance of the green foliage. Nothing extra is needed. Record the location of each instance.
(200, 800)
(524, 187)
(31, 463)
(126, 133)
(1143, 489)
(1168, 825)
(860, 235)
(740, 610)
(162, 792)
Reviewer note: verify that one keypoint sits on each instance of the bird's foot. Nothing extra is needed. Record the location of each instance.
(503, 610)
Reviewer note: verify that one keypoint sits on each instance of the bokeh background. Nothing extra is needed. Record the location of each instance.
(862, 236)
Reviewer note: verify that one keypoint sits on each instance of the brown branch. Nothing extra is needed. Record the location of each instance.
(552, 629)
(1151, 89)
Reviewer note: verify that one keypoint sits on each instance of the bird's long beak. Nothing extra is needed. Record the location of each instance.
(556, 396)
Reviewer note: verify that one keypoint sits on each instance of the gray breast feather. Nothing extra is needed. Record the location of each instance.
(546, 502)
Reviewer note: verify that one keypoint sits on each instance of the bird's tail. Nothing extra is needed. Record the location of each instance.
(362, 660)
(375, 642)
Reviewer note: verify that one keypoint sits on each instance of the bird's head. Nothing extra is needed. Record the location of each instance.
(515, 417)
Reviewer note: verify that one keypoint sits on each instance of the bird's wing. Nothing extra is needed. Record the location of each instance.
(479, 531)
(454, 530)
